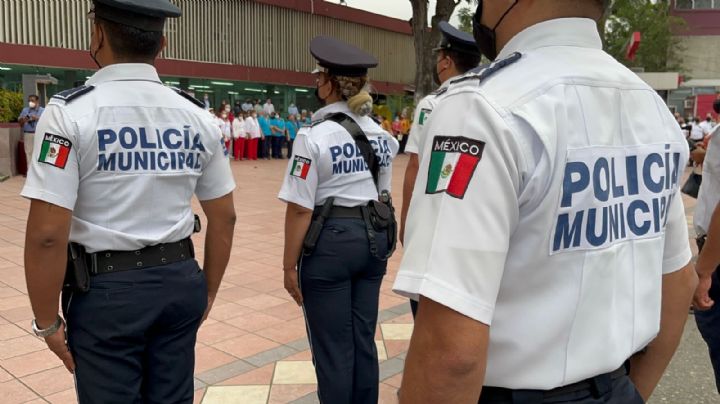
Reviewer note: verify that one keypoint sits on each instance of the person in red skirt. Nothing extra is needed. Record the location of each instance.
(239, 136)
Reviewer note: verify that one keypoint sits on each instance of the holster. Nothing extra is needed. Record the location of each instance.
(316, 226)
(77, 272)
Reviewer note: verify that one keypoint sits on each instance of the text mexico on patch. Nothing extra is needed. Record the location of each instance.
(612, 195)
(452, 164)
(55, 150)
(300, 167)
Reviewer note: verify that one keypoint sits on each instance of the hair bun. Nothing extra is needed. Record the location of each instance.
(361, 103)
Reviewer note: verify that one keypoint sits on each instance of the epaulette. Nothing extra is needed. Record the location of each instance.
(188, 97)
(73, 93)
(316, 123)
(485, 72)
(439, 91)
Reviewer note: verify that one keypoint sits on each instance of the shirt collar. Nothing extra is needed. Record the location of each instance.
(340, 106)
(578, 32)
(124, 72)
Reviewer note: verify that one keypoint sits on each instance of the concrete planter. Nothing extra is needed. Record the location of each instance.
(10, 136)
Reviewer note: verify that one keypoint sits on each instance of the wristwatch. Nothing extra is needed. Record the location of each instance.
(50, 330)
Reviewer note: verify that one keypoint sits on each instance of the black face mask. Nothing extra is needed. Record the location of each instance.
(484, 36)
(436, 75)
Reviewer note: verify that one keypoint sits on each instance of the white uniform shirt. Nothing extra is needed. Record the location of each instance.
(238, 128)
(697, 132)
(326, 162)
(709, 195)
(268, 108)
(127, 158)
(706, 127)
(252, 127)
(422, 114)
(548, 207)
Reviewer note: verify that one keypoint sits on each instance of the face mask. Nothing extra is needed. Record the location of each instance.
(227, 109)
(708, 119)
(32, 105)
(436, 74)
(223, 116)
(484, 36)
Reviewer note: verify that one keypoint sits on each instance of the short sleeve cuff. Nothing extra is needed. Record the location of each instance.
(220, 192)
(677, 262)
(49, 197)
(287, 198)
(411, 149)
(413, 286)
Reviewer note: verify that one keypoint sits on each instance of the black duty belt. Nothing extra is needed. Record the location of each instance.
(103, 262)
(341, 212)
(595, 385)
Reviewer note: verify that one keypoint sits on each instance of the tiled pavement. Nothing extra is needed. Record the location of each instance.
(253, 347)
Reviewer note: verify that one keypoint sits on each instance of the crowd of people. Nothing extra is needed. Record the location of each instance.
(252, 130)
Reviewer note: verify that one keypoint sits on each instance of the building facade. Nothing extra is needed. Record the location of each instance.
(228, 49)
(700, 56)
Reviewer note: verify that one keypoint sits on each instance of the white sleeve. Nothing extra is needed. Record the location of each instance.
(301, 177)
(422, 112)
(386, 155)
(676, 253)
(54, 173)
(469, 209)
(216, 179)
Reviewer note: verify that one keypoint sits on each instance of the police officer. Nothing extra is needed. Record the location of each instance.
(115, 166)
(456, 54)
(338, 233)
(547, 238)
(707, 227)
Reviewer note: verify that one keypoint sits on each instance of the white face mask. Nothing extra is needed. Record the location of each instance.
(32, 104)
(227, 109)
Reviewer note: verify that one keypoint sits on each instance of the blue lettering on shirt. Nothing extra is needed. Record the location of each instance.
(129, 149)
(611, 195)
(348, 159)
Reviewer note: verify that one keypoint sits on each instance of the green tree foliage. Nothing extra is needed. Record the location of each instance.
(659, 49)
(465, 15)
(11, 104)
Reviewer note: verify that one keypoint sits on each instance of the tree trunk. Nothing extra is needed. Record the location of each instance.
(427, 39)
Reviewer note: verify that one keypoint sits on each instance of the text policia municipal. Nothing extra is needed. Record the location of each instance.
(615, 194)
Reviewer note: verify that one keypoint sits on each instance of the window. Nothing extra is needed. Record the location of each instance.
(697, 4)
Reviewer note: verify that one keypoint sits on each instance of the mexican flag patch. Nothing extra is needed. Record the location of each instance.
(55, 150)
(424, 115)
(300, 167)
(452, 164)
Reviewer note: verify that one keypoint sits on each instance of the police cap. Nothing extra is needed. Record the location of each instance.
(341, 58)
(145, 15)
(457, 41)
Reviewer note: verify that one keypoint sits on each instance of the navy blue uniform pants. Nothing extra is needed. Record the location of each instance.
(265, 147)
(133, 334)
(708, 322)
(277, 142)
(340, 282)
(618, 391)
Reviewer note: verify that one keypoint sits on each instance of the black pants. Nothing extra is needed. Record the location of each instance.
(403, 143)
(708, 323)
(133, 334)
(619, 391)
(289, 147)
(340, 283)
(277, 147)
(264, 146)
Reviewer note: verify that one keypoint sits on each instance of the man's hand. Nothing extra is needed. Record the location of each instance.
(58, 345)
(211, 300)
(291, 285)
(701, 299)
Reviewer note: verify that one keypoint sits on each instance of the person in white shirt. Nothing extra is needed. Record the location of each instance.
(707, 125)
(338, 227)
(456, 54)
(117, 163)
(547, 239)
(223, 122)
(697, 131)
(292, 109)
(707, 227)
(268, 108)
(239, 136)
(252, 130)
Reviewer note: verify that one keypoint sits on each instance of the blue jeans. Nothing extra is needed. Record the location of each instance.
(708, 322)
(340, 282)
(133, 334)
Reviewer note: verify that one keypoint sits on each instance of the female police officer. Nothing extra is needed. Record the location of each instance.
(336, 229)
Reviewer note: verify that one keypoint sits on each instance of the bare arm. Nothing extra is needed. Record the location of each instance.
(447, 357)
(707, 262)
(647, 368)
(221, 218)
(46, 239)
(297, 221)
(411, 172)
